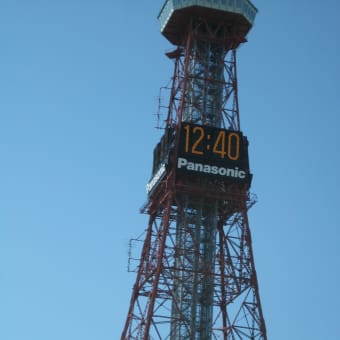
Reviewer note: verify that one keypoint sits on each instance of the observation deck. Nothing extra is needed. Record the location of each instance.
(174, 16)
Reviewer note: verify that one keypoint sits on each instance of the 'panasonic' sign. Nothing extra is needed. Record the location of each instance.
(184, 164)
(156, 178)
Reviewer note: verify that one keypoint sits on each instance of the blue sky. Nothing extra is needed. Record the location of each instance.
(79, 82)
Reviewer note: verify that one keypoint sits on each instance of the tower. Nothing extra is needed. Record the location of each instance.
(196, 276)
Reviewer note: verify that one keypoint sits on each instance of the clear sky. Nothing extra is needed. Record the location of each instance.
(79, 82)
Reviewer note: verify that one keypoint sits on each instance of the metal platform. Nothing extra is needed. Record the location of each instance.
(176, 13)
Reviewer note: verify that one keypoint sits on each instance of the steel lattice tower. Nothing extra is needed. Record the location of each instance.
(196, 277)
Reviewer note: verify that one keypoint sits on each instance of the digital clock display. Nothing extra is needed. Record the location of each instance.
(213, 151)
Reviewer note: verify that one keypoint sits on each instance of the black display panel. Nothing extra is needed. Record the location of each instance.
(213, 151)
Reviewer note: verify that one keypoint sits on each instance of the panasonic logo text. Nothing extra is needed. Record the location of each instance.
(156, 178)
(182, 163)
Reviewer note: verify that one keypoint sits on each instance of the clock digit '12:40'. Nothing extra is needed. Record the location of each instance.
(201, 140)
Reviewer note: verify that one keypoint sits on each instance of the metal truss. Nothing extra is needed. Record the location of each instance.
(177, 256)
(204, 88)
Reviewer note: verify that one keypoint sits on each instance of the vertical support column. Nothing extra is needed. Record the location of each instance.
(195, 249)
(202, 103)
(203, 93)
